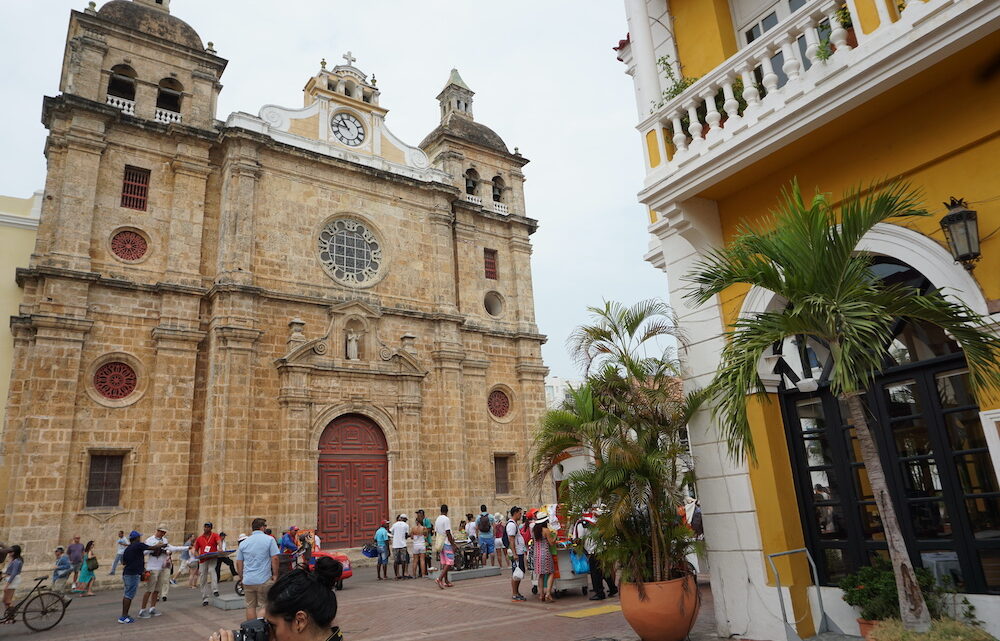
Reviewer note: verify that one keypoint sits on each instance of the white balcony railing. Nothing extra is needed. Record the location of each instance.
(167, 116)
(472, 198)
(124, 104)
(500, 208)
(777, 77)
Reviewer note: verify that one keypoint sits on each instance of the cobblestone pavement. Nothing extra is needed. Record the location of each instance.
(369, 611)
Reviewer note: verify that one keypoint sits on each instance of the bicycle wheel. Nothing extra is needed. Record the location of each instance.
(44, 611)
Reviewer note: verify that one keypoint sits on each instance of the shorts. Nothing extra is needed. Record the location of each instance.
(157, 581)
(498, 544)
(383, 554)
(487, 545)
(12, 583)
(447, 555)
(419, 545)
(77, 566)
(131, 582)
(256, 595)
(400, 555)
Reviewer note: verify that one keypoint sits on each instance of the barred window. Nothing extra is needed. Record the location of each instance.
(501, 468)
(104, 482)
(490, 263)
(135, 188)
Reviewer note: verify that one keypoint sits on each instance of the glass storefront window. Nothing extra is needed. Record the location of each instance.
(911, 437)
(965, 430)
(945, 567)
(953, 389)
(930, 520)
(902, 399)
(975, 471)
(921, 478)
(990, 562)
(984, 514)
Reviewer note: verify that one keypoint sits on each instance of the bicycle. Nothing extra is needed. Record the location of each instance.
(43, 609)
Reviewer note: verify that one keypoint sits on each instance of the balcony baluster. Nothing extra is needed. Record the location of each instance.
(812, 43)
(770, 80)
(838, 35)
(731, 104)
(750, 93)
(680, 138)
(792, 67)
(712, 115)
(694, 125)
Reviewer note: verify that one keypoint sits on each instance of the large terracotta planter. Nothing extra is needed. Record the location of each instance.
(667, 614)
(865, 626)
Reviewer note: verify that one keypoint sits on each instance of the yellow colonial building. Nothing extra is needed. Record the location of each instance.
(735, 99)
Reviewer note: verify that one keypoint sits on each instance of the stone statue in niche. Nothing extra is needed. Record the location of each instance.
(353, 339)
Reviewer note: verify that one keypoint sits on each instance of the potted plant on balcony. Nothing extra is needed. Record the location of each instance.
(636, 433)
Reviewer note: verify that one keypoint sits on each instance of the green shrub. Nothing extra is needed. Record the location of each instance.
(872, 589)
(941, 630)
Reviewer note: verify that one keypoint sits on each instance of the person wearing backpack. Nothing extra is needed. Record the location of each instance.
(487, 542)
(513, 540)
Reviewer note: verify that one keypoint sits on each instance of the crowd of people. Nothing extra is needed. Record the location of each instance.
(523, 540)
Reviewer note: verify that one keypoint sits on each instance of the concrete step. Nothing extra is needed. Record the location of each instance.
(475, 573)
(228, 601)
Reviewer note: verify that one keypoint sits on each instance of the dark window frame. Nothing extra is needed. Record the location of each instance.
(105, 474)
(491, 264)
(502, 483)
(135, 188)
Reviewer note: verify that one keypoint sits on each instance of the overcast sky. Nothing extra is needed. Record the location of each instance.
(545, 79)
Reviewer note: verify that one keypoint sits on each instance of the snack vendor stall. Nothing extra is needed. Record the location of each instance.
(565, 578)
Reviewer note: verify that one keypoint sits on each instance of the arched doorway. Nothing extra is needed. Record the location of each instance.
(353, 481)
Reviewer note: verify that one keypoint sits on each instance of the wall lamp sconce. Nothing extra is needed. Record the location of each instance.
(961, 229)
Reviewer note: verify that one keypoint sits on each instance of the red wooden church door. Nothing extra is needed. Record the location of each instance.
(353, 481)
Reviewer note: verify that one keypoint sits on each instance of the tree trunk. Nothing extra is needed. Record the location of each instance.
(912, 608)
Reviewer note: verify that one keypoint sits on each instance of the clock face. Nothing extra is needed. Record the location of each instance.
(348, 129)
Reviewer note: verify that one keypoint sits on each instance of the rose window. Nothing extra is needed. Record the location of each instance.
(115, 380)
(499, 403)
(129, 245)
(350, 252)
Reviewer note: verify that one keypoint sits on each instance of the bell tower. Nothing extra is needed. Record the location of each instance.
(456, 97)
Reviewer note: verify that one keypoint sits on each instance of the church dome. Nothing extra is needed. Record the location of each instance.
(465, 128)
(151, 21)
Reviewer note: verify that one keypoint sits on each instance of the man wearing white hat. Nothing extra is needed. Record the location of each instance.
(400, 531)
(159, 571)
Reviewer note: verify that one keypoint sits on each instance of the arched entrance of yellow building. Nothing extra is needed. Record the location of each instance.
(353, 495)
(933, 449)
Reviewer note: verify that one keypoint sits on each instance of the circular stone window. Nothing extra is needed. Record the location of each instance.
(129, 245)
(493, 302)
(498, 403)
(351, 254)
(115, 380)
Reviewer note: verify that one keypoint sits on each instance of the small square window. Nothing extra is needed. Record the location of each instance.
(104, 481)
(501, 469)
(490, 264)
(135, 188)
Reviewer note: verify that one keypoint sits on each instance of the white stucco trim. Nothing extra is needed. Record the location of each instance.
(991, 428)
(20, 222)
(919, 251)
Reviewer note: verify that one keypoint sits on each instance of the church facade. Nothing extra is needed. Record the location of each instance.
(293, 315)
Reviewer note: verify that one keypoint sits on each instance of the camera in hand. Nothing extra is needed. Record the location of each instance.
(252, 630)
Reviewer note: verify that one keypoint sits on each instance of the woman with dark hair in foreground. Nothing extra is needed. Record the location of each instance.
(301, 606)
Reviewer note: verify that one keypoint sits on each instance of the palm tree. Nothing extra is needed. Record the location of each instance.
(807, 254)
(631, 416)
(578, 425)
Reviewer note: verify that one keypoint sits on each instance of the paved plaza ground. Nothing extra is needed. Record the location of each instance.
(415, 610)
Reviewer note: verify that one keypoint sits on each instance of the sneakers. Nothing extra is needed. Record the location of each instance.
(518, 597)
(204, 602)
(163, 598)
(126, 620)
(597, 597)
(215, 593)
(173, 582)
(143, 614)
(154, 612)
(613, 591)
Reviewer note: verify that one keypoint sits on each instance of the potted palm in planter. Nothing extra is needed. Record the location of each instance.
(635, 432)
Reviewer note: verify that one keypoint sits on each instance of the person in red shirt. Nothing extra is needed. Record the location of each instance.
(207, 543)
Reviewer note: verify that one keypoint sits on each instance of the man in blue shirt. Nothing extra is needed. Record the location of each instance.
(382, 542)
(134, 564)
(62, 571)
(257, 563)
(288, 544)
